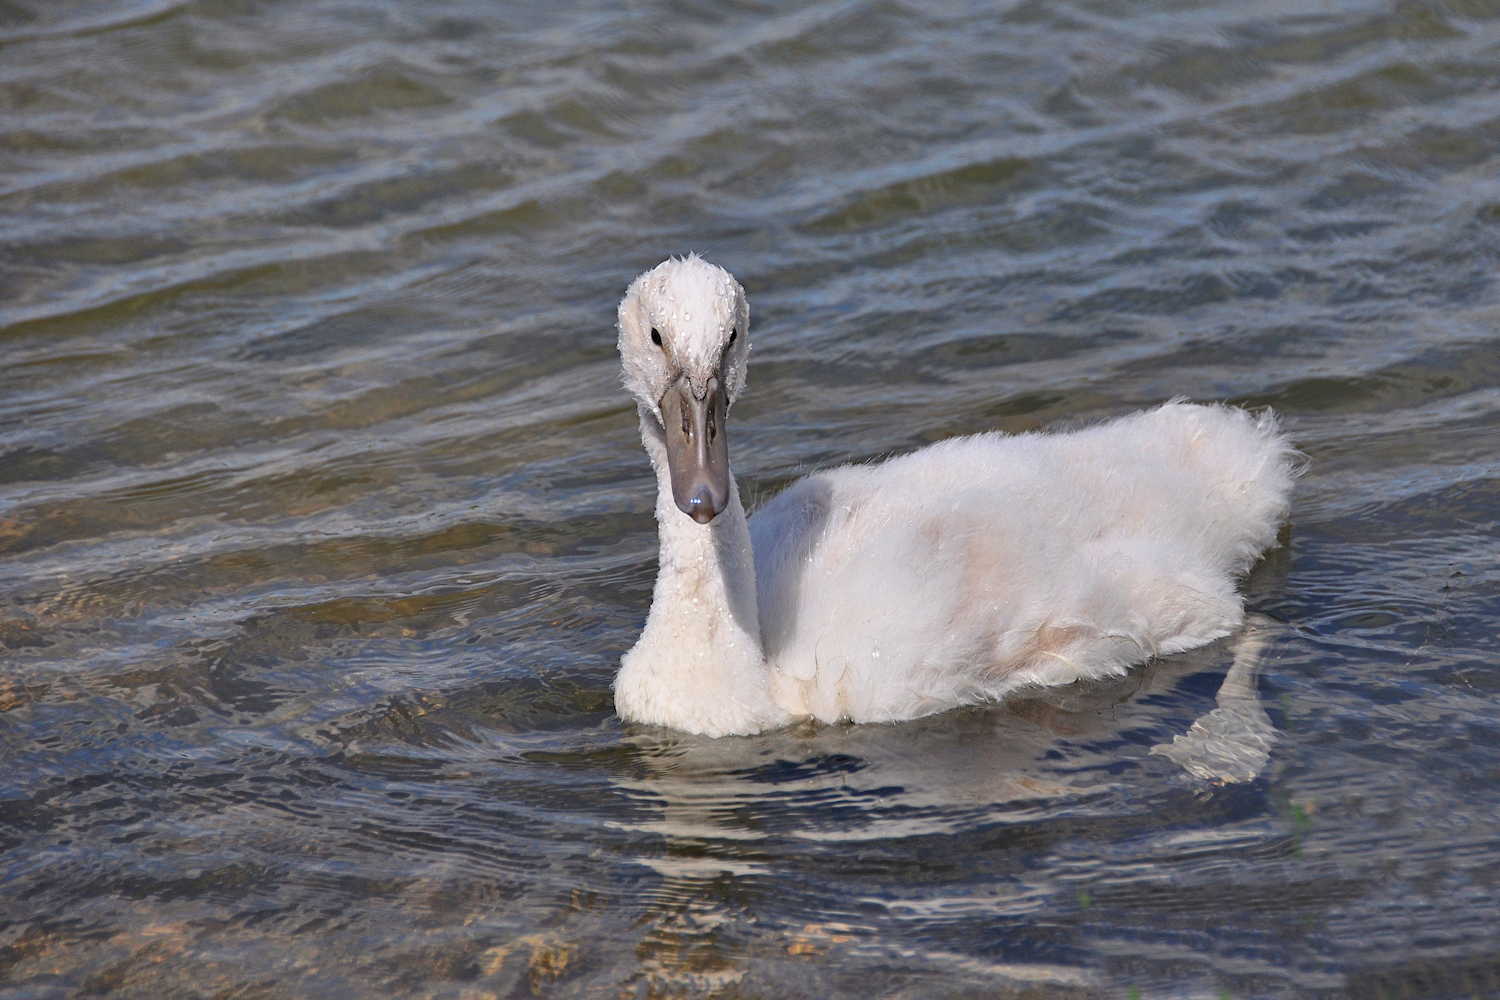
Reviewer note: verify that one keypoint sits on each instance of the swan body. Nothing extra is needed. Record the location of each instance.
(949, 576)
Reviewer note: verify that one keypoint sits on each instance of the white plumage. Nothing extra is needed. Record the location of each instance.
(949, 576)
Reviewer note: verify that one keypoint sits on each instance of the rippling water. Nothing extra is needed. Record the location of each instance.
(325, 522)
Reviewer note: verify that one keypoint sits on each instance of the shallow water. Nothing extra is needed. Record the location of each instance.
(325, 522)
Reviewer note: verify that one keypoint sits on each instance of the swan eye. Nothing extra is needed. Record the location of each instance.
(735, 332)
(656, 336)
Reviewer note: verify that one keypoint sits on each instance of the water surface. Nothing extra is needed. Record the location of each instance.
(324, 521)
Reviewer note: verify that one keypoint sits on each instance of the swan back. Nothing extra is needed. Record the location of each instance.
(980, 564)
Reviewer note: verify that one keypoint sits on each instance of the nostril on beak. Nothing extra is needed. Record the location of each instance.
(703, 506)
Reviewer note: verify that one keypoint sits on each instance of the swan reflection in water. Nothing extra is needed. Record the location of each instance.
(730, 820)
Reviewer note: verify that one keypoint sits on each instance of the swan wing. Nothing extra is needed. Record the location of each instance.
(978, 565)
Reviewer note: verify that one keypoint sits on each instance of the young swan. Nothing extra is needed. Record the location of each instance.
(949, 576)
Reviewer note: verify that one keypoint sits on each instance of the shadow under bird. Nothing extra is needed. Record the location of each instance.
(949, 576)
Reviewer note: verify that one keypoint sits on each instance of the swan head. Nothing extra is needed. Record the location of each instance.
(684, 343)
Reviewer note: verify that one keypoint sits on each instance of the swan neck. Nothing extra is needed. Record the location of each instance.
(698, 665)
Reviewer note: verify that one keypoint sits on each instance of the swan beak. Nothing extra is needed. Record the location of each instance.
(697, 450)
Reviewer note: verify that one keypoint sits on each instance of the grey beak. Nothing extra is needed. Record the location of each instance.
(697, 450)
